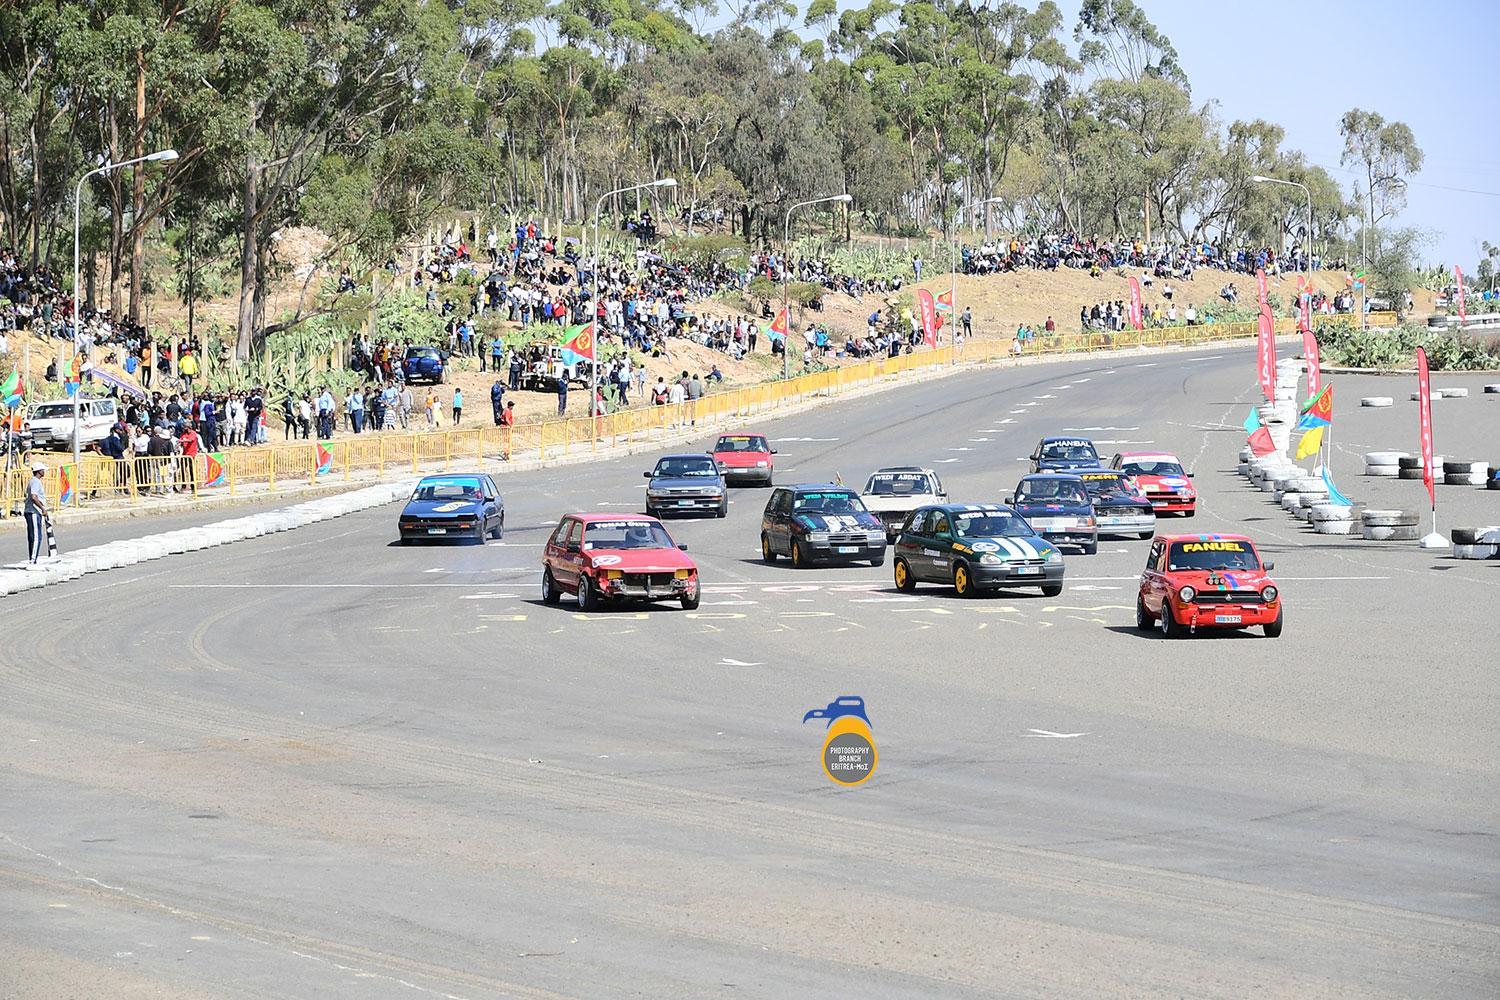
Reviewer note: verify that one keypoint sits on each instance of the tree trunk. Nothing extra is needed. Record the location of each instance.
(249, 259)
(116, 216)
(138, 192)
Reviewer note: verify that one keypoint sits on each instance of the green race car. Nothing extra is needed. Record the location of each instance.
(974, 548)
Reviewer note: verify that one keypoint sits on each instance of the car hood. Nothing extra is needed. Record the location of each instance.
(816, 521)
(877, 503)
(1202, 580)
(440, 508)
(1157, 483)
(1054, 509)
(741, 459)
(1121, 500)
(640, 560)
(683, 482)
(1010, 547)
(1067, 463)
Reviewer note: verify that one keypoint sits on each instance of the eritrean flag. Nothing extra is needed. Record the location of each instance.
(779, 326)
(324, 450)
(10, 389)
(579, 346)
(945, 301)
(1319, 410)
(213, 468)
(1356, 280)
(64, 485)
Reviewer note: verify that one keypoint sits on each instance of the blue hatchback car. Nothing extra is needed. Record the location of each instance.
(423, 364)
(1058, 506)
(459, 506)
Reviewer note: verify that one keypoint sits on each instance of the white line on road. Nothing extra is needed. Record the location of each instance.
(1047, 734)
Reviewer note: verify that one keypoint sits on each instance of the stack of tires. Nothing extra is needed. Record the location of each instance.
(1334, 518)
(1465, 473)
(1459, 393)
(1411, 467)
(1390, 525)
(1476, 543)
(1386, 464)
(1376, 401)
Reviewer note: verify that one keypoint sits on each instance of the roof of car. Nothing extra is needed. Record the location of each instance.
(1066, 437)
(1053, 474)
(452, 477)
(902, 468)
(683, 454)
(1169, 539)
(741, 434)
(1164, 455)
(587, 518)
(809, 487)
(960, 508)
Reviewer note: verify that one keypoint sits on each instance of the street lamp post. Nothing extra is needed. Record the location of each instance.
(661, 182)
(1307, 262)
(786, 267)
(161, 156)
(953, 276)
(1364, 252)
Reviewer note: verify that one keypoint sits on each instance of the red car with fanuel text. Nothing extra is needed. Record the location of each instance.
(1195, 582)
(609, 557)
(1161, 477)
(745, 458)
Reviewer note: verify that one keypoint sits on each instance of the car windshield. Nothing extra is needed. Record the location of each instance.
(1071, 451)
(1152, 467)
(742, 442)
(1101, 483)
(448, 489)
(830, 502)
(47, 410)
(989, 524)
(899, 484)
(1052, 491)
(625, 535)
(1211, 555)
(691, 466)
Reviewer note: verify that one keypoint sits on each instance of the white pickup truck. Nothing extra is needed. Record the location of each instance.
(891, 494)
(52, 422)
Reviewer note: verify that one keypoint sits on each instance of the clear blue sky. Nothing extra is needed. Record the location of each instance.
(1424, 64)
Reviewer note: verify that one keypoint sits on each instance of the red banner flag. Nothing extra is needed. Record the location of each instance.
(1136, 322)
(1260, 290)
(1265, 345)
(1314, 369)
(1424, 415)
(1260, 443)
(928, 309)
(1304, 312)
(1463, 315)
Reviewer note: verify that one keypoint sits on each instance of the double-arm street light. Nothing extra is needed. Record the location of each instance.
(1307, 261)
(161, 156)
(662, 182)
(786, 267)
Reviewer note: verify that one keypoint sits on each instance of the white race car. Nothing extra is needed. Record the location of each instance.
(892, 494)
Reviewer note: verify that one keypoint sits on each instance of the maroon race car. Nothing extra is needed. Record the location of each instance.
(609, 557)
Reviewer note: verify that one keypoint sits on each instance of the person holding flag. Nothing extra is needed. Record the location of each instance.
(38, 516)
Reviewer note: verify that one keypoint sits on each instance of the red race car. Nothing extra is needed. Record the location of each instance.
(745, 458)
(609, 557)
(1161, 477)
(1196, 582)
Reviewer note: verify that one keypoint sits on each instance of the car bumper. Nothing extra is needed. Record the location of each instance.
(1071, 536)
(986, 577)
(686, 504)
(833, 551)
(1226, 615)
(434, 529)
(1172, 504)
(617, 590)
(747, 475)
(1127, 523)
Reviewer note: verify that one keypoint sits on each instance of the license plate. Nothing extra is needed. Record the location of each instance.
(684, 503)
(848, 549)
(1228, 619)
(1028, 570)
(437, 531)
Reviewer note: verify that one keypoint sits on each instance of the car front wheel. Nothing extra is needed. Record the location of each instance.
(588, 599)
(799, 557)
(1051, 589)
(1169, 624)
(1273, 629)
(690, 600)
(963, 584)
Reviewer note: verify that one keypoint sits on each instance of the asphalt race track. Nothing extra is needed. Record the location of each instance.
(318, 764)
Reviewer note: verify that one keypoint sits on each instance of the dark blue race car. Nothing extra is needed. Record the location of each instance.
(453, 506)
(1058, 506)
(1063, 454)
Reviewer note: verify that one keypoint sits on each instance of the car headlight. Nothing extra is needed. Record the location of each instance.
(991, 559)
(1054, 555)
(683, 574)
(1269, 594)
(817, 536)
(761, 464)
(1186, 594)
(875, 535)
(655, 494)
(1089, 522)
(613, 574)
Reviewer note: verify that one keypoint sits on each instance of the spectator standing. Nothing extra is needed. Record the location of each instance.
(38, 516)
(458, 406)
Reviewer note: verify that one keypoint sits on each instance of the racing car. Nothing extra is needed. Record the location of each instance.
(1057, 505)
(745, 458)
(607, 557)
(820, 522)
(453, 506)
(892, 494)
(1063, 454)
(1119, 506)
(1194, 582)
(686, 483)
(1161, 478)
(974, 548)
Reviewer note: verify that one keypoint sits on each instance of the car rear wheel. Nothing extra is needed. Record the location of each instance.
(1190, 512)
(766, 553)
(1147, 535)
(588, 599)
(878, 560)
(905, 582)
(1169, 625)
(550, 593)
(1142, 616)
(1273, 629)
(963, 583)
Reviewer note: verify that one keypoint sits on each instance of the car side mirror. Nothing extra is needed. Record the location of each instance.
(645, 475)
(1190, 475)
(1268, 566)
(682, 546)
(1010, 501)
(773, 451)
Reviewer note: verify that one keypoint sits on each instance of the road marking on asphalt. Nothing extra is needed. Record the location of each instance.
(883, 600)
(1015, 412)
(805, 614)
(1080, 381)
(1047, 734)
(960, 448)
(1073, 430)
(809, 440)
(502, 618)
(1090, 586)
(945, 461)
(1046, 396)
(580, 616)
(715, 616)
(976, 441)
(487, 597)
(1147, 364)
(1101, 607)
(738, 663)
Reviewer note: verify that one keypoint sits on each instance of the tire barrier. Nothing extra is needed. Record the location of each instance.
(1390, 518)
(1384, 471)
(1434, 396)
(1476, 543)
(1458, 393)
(1384, 457)
(1393, 533)
(1465, 479)
(1378, 401)
(129, 552)
(1492, 388)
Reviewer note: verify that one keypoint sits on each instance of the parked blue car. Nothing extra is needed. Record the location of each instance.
(423, 364)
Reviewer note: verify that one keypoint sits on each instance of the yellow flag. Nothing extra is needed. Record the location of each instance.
(1310, 443)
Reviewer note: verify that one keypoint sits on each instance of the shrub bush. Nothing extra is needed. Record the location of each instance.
(1342, 343)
